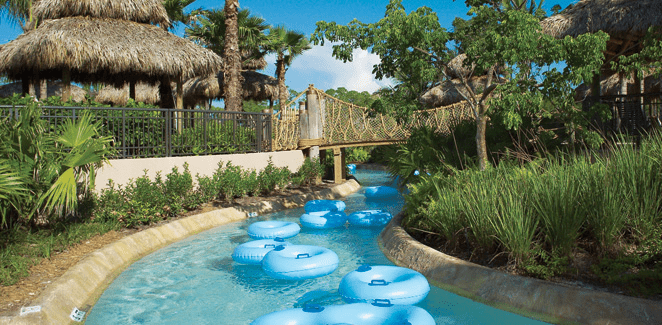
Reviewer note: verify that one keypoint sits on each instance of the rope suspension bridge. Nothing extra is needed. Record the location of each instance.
(324, 122)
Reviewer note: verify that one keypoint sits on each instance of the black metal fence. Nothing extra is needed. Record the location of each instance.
(631, 114)
(154, 132)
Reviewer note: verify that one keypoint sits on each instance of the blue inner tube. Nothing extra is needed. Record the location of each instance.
(273, 229)
(254, 251)
(360, 313)
(324, 205)
(323, 219)
(398, 285)
(380, 192)
(370, 218)
(299, 262)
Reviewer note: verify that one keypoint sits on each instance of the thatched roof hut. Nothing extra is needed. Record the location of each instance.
(109, 50)
(456, 67)
(140, 11)
(450, 92)
(619, 18)
(54, 89)
(256, 86)
(610, 86)
(626, 22)
(145, 93)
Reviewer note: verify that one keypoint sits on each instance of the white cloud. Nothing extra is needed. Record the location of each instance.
(317, 66)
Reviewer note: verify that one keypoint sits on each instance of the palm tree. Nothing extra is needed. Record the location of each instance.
(232, 56)
(19, 11)
(209, 31)
(287, 45)
(175, 10)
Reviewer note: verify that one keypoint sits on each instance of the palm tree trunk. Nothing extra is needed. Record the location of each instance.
(282, 89)
(232, 84)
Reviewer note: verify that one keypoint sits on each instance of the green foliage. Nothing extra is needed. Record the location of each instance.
(271, 177)
(208, 30)
(502, 40)
(21, 248)
(363, 99)
(309, 173)
(540, 212)
(52, 168)
(227, 137)
(358, 154)
(645, 62)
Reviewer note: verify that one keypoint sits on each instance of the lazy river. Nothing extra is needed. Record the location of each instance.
(195, 281)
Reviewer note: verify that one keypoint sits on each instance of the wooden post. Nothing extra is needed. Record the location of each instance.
(337, 165)
(304, 129)
(25, 85)
(314, 120)
(43, 89)
(66, 85)
(132, 90)
(343, 164)
(180, 105)
(33, 85)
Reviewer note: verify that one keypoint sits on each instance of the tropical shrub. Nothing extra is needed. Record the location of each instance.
(309, 173)
(54, 168)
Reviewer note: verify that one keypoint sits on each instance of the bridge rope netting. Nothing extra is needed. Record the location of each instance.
(346, 123)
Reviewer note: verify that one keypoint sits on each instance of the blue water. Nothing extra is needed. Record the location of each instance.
(195, 281)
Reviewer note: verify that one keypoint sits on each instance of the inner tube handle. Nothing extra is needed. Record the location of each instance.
(303, 255)
(312, 308)
(382, 303)
(378, 282)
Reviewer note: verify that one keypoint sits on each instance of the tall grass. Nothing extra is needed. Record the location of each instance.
(556, 199)
(550, 204)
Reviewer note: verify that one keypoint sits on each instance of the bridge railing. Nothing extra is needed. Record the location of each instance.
(347, 123)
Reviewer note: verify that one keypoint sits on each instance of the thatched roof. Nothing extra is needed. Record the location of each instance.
(620, 18)
(114, 51)
(53, 89)
(610, 86)
(254, 64)
(145, 93)
(256, 86)
(626, 22)
(456, 68)
(140, 11)
(450, 92)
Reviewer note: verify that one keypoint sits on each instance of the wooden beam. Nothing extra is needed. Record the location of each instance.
(361, 144)
(337, 166)
(43, 89)
(179, 106)
(66, 85)
(132, 90)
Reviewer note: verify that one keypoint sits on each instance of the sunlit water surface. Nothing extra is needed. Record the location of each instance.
(195, 281)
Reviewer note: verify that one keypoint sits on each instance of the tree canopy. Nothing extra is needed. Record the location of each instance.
(501, 42)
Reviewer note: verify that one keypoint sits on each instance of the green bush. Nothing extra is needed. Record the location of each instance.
(309, 173)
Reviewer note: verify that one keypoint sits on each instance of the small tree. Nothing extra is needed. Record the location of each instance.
(498, 43)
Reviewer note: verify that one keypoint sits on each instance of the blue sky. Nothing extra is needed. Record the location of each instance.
(317, 66)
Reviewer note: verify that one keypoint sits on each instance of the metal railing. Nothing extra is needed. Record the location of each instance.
(157, 132)
(631, 114)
